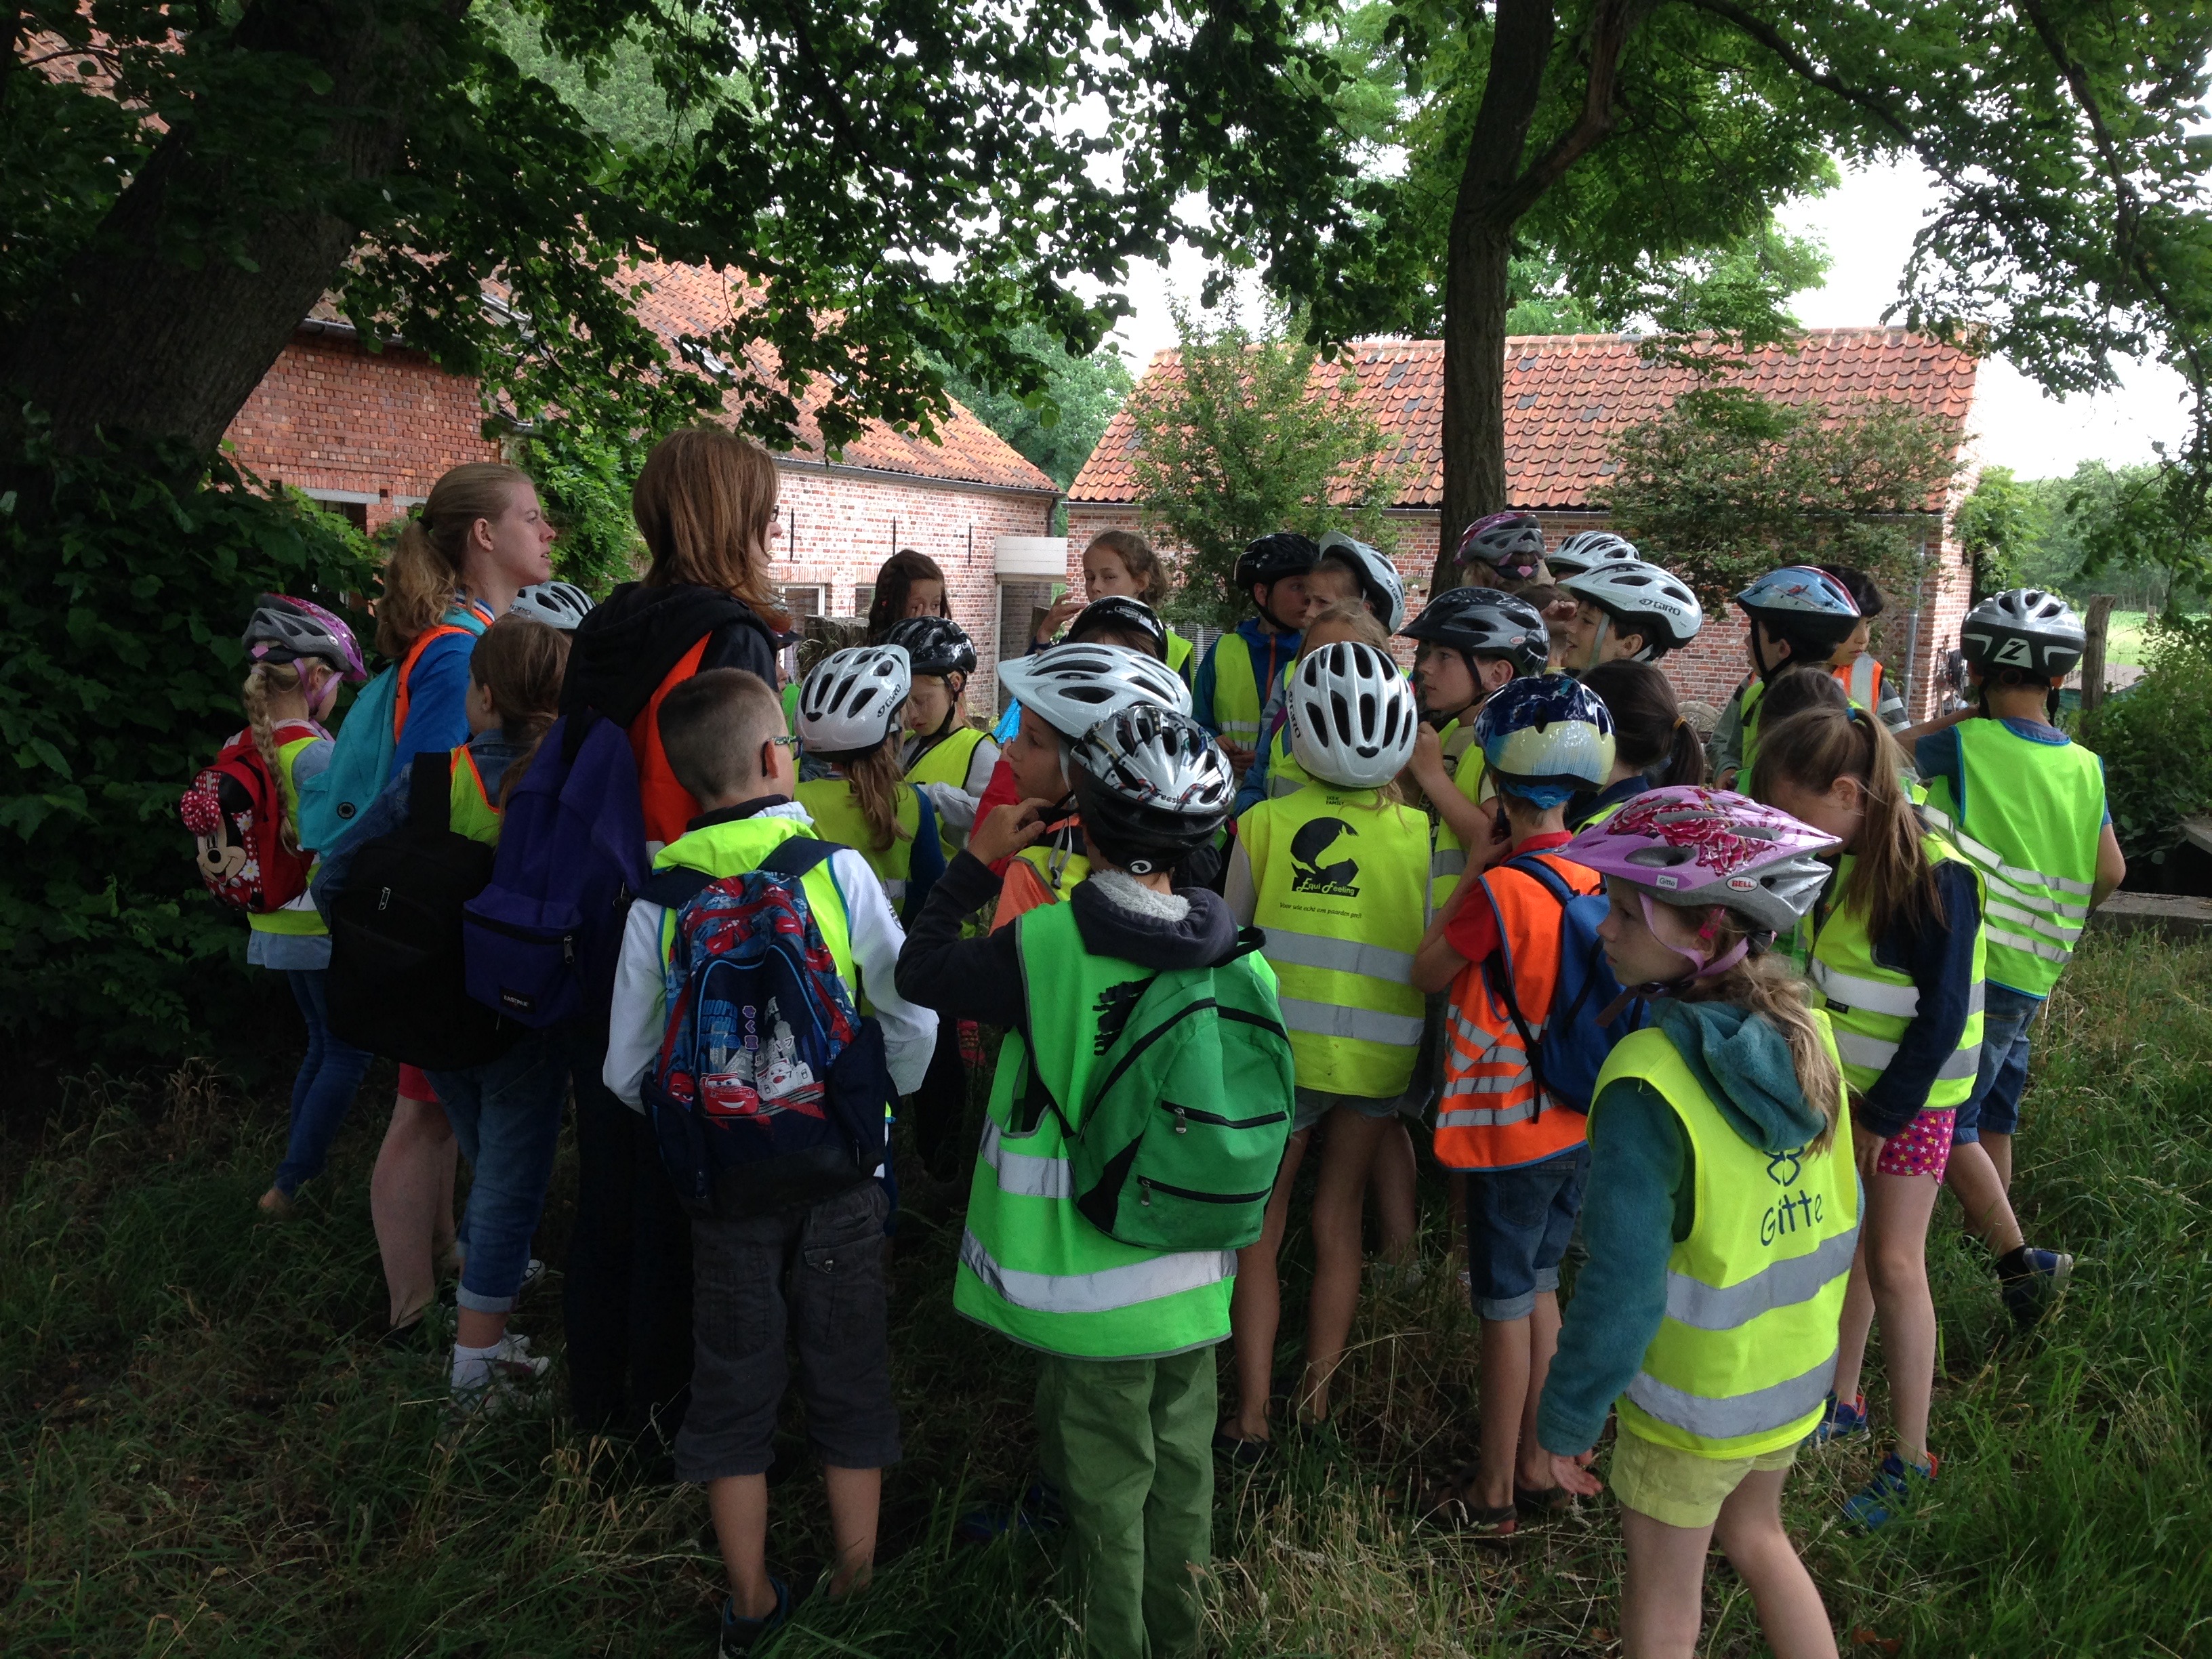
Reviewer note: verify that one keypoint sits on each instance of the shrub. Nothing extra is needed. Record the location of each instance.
(121, 600)
(2155, 739)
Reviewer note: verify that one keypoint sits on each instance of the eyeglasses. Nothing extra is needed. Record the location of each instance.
(788, 745)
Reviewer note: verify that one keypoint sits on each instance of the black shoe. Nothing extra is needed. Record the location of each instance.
(2030, 1281)
(740, 1635)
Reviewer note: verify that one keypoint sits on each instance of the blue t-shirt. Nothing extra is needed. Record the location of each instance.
(437, 701)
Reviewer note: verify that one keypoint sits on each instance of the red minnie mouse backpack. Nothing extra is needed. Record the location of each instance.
(235, 812)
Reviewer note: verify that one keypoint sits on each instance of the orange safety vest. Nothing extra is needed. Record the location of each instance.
(1490, 1117)
(402, 690)
(668, 806)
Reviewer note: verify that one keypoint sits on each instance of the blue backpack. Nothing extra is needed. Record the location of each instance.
(1578, 1035)
(769, 1090)
(332, 801)
(543, 937)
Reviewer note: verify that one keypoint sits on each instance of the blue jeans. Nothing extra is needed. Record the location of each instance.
(1995, 1104)
(1518, 1224)
(324, 1089)
(506, 1115)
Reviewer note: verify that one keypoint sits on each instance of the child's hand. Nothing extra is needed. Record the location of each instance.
(1007, 829)
(1064, 610)
(1573, 1473)
(1866, 1151)
(1428, 763)
(1240, 759)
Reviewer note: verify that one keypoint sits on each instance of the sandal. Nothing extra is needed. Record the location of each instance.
(1244, 1454)
(1539, 1502)
(1452, 1504)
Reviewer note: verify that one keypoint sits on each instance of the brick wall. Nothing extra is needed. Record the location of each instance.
(1708, 669)
(839, 526)
(332, 416)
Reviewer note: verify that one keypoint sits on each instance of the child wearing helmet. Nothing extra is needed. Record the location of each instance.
(301, 655)
(1897, 950)
(1240, 667)
(849, 712)
(1126, 1333)
(1118, 564)
(1277, 772)
(945, 751)
(1856, 669)
(1505, 552)
(1716, 1172)
(1336, 874)
(1800, 616)
(1543, 738)
(2027, 806)
(1626, 611)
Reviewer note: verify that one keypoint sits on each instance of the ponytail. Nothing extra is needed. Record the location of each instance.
(1765, 986)
(1893, 883)
(518, 662)
(876, 779)
(424, 571)
(282, 678)
(1649, 731)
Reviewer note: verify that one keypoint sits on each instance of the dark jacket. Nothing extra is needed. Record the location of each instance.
(625, 647)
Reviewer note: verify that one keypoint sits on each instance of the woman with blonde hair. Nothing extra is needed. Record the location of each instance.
(705, 504)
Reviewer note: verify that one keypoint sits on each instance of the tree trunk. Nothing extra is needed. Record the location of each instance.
(132, 343)
(2099, 629)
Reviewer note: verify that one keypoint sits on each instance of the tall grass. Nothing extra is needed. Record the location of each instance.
(207, 1453)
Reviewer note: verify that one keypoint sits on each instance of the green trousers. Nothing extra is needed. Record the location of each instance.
(1130, 1444)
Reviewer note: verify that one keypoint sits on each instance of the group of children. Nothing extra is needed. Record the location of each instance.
(1735, 1040)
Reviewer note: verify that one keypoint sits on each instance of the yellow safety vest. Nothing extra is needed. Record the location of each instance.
(300, 918)
(1340, 879)
(1871, 1005)
(737, 848)
(469, 808)
(1236, 692)
(947, 761)
(1746, 1352)
(1449, 862)
(837, 817)
(1179, 655)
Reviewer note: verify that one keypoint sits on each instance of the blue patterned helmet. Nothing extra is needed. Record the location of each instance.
(1801, 603)
(1546, 737)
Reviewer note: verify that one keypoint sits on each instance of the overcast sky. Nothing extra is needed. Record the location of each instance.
(1867, 225)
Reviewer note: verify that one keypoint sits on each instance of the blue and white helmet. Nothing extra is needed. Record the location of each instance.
(1378, 578)
(1546, 737)
(1803, 602)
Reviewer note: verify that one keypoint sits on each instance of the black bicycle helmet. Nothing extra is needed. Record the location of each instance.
(2024, 629)
(1271, 558)
(1151, 786)
(1483, 622)
(1510, 543)
(934, 645)
(1120, 614)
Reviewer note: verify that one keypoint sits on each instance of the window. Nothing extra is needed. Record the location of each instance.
(351, 505)
(864, 595)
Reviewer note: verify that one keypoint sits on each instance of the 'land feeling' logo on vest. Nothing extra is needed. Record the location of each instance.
(1798, 1210)
(1307, 873)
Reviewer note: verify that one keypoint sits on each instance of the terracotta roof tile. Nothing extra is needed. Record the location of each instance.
(691, 300)
(1567, 395)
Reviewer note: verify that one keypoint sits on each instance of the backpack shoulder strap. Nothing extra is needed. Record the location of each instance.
(675, 887)
(1550, 879)
(430, 792)
(795, 857)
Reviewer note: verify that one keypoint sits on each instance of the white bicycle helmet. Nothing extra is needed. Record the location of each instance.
(1641, 599)
(1352, 716)
(2026, 629)
(1378, 578)
(557, 604)
(1151, 786)
(1587, 548)
(851, 701)
(1071, 687)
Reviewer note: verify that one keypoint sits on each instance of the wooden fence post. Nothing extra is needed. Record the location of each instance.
(2092, 656)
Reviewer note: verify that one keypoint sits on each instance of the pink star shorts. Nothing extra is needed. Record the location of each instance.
(1922, 1147)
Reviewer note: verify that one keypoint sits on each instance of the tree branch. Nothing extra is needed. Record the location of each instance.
(1804, 68)
(1610, 28)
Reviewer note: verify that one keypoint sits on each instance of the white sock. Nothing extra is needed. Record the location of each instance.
(472, 1367)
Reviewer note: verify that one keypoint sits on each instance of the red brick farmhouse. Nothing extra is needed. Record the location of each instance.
(1567, 397)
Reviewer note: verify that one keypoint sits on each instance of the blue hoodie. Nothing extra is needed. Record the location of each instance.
(1642, 1200)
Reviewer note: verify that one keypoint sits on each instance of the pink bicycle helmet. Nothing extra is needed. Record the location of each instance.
(286, 630)
(1693, 847)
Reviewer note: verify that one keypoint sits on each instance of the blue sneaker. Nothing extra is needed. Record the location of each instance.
(740, 1635)
(1839, 1421)
(1893, 1487)
(2030, 1281)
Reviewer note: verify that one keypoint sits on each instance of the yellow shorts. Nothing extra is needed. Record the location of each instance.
(1678, 1488)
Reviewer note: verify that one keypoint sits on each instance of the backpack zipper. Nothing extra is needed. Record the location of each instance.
(1148, 1186)
(1185, 1114)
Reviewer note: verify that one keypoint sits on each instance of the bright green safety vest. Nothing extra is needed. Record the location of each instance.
(468, 810)
(2031, 824)
(1343, 920)
(837, 817)
(737, 848)
(1285, 777)
(1871, 1005)
(1746, 1352)
(947, 761)
(299, 919)
(1031, 1267)
(1178, 654)
(1236, 691)
(1449, 862)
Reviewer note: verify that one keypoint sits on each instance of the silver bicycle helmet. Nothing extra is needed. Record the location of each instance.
(1642, 599)
(1586, 549)
(2026, 629)
(1352, 716)
(285, 629)
(1151, 786)
(1071, 687)
(851, 701)
(1378, 578)
(557, 604)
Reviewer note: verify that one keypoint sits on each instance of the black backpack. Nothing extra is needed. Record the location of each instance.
(399, 981)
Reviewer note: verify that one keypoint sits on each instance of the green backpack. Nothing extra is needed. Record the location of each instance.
(1189, 1110)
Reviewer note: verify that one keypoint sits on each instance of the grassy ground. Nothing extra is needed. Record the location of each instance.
(2123, 638)
(206, 1454)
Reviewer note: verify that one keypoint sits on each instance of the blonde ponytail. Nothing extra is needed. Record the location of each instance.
(876, 779)
(424, 571)
(282, 679)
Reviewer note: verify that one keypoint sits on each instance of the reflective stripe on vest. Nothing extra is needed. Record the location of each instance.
(1861, 679)
(2033, 822)
(1031, 1266)
(1236, 691)
(1341, 883)
(1872, 1006)
(1485, 1055)
(1746, 1353)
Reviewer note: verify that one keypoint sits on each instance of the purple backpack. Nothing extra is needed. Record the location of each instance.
(543, 937)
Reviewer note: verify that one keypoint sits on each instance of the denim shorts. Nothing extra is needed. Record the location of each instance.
(1518, 1222)
(1995, 1104)
(1315, 1104)
(814, 1274)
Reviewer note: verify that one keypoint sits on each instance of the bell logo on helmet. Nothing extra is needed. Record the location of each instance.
(1308, 874)
(1741, 884)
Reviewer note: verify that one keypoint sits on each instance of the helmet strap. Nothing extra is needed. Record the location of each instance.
(1702, 963)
